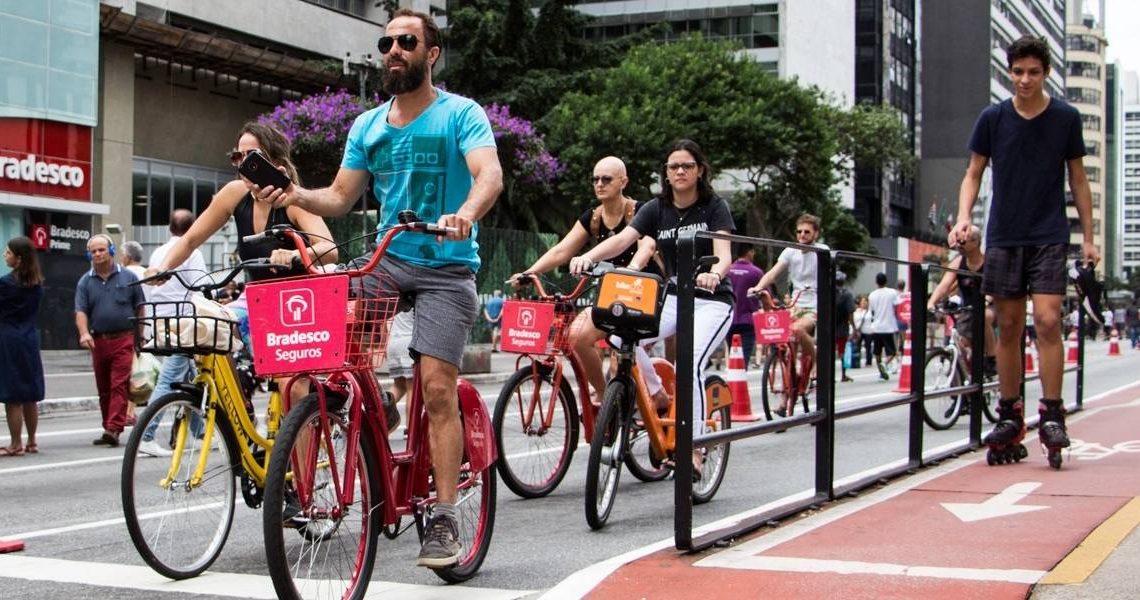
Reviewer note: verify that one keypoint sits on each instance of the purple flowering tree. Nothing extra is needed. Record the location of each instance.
(529, 176)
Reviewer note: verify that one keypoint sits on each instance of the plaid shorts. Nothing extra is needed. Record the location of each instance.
(1019, 270)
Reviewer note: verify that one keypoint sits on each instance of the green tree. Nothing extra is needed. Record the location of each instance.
(785, 144)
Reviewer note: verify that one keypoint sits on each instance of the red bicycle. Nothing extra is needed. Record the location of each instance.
(333, 476)
(786, 377)
(535, 419)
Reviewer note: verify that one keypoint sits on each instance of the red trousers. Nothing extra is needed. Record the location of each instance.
(112, 360)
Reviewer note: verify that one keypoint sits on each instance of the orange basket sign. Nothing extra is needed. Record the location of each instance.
(526, 326)
(292, 328)
(773, 326)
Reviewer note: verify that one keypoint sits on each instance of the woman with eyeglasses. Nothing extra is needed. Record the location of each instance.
(687, 203)
(236, 200)
(594, 226)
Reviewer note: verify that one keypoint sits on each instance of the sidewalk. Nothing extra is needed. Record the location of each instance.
(959, 530)
(72, 362)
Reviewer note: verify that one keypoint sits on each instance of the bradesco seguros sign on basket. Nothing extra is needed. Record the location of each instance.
(298, 324)
(773, 326)
(526, 326)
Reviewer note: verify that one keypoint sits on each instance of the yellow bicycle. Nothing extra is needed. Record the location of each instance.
(179, 490)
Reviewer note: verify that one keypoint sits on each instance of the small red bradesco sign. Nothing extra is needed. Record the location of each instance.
(45, 158)
(772, 327)
(526, 326)
(298, 325)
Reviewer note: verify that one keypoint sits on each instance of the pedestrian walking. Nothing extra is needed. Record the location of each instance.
(743, 273)
(884, 324)
(105, 302)
(493, 315)
(21, 369)
(844, 323)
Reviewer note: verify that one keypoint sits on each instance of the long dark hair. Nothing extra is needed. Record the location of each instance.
(275, 145)
(704, 188)
(27, 269)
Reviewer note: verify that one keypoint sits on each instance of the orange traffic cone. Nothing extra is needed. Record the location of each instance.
(738, 383)
(904, 370)
(1114, 344)
(1030, 367)
(1071, 358)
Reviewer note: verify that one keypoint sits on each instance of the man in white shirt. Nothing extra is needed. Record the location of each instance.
(176, 367)
(884, 323)
(802, 267)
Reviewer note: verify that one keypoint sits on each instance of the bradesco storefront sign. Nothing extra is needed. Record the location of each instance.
(526, 326)
(298, 325)
(45, 158)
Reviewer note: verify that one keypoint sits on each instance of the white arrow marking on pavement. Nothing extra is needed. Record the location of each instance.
(1001, 505)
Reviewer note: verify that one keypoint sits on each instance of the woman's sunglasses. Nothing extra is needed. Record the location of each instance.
(407, 42)
(236, 156)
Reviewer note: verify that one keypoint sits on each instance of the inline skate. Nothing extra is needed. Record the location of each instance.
(1051, 430)
(1004, 440)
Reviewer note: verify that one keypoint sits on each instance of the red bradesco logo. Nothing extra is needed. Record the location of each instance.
(290, 332)
(526, 326)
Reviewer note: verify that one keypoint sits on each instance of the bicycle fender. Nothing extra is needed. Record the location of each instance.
(478, 435)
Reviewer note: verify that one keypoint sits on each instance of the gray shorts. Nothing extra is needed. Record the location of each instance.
(400, 330)
(1019, 270)
(445, 303)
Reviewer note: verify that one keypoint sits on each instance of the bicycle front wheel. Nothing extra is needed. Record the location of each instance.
(332, 546)
(716, 456)
(776, 382)
(640, 458)
(941, 373)
(177, 521)
(536, 429)
(606, 453)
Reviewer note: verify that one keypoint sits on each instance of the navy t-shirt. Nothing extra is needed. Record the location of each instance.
(663, 222)
(1028, 159)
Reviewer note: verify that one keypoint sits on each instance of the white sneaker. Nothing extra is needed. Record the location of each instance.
(151, 448)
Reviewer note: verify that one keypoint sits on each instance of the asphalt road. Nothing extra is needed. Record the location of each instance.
(64, 504)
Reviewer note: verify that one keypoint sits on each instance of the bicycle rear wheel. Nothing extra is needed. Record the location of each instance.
(606, 451)
(476, 507)
(178, 526)
(776, 382)
(941, 373)
(331, 551)
(716, 456)
(534, 456)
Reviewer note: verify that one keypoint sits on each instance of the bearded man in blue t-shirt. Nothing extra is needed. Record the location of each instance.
(432, 152)
(1030, 141)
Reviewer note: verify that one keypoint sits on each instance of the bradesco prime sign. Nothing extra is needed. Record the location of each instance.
(298, 324)
(45, 158)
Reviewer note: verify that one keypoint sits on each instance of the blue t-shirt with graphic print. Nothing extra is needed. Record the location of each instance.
(422, 167)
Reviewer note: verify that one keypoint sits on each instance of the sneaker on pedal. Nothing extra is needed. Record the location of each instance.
(151, 448)
(291, 517)
(1089, 289)
(391, 412)
(441, 543)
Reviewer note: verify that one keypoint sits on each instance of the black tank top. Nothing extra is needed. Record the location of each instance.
(970, 288)
(243, 217)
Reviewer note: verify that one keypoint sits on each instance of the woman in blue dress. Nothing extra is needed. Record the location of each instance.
(20, 365)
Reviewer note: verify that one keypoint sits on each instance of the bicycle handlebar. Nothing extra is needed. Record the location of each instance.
(599, 269)
(768, 301)
(253, 263)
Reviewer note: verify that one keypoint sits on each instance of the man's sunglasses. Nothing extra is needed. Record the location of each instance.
(407, 42)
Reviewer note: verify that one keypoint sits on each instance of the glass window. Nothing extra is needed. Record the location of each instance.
(23, 41)
(160, 190)
(140, 196)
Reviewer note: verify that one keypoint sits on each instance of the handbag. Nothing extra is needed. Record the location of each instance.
(848, 352)
(144, 376)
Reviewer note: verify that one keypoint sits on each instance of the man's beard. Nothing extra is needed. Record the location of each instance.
(407, 79)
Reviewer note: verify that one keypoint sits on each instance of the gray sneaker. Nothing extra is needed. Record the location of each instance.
(441, 543)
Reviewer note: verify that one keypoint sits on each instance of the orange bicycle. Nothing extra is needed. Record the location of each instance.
(786, 378)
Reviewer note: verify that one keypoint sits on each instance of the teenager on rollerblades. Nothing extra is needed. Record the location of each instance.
(1030, 141)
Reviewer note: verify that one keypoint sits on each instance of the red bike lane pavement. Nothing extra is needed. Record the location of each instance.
(960, 530)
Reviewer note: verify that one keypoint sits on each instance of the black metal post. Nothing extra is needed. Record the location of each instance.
(918, 295)
(977, 363)
(683, 450)
(1080, 358)
(825, 376)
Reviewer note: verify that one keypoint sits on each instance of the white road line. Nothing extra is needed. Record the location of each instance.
(90, 374)
(786, 564)
(234, 585)
(61, 465)
(107, 523)
(65, 432)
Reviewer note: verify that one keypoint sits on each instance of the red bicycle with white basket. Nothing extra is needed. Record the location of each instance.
(787, 377)
(333, 475)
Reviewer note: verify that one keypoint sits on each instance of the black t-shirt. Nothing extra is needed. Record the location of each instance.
(663, 222)
(1028, 159)
(604, 233)
(844, 308)
(970, 288)
(243, 218)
